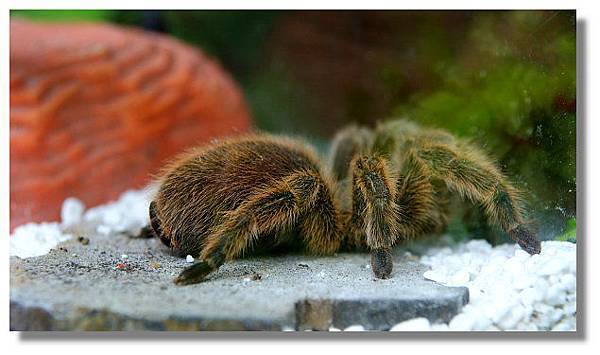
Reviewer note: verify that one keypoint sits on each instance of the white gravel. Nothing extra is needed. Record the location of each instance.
(412, 325)
(72, 212)
(126, 215)
(355, 328)
(35, 239)
(508, 288)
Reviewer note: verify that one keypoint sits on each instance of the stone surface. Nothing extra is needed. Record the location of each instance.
(91, 286)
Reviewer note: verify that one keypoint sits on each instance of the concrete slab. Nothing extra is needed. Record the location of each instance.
(88, 285)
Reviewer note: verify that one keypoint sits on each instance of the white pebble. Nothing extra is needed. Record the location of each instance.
(507, 285)
(35, 239)
(555, 295)
(128, 214)
(461, 322)
(434, 276)
(531, 295)
(515, 266)
(512, 318)
(441, 327)
(103, 229)
(568, 282)
(552, 267)
(566, 324)
(355, 328)
(71, 212)
(459, 279)
(124, 256)
(189, 259)
(412, 325)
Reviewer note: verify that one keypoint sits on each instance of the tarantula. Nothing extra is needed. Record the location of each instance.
(379, 187)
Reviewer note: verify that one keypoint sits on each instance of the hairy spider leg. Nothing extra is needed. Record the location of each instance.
(374, 210)
(301, 198)
(468, 172)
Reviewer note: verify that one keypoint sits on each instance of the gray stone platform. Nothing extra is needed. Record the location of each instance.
(78, 286)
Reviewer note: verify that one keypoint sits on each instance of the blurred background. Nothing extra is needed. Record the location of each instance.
(506, 79)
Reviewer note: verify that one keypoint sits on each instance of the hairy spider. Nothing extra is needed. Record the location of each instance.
(379, 187)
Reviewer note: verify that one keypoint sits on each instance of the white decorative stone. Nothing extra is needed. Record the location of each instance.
(412, 325)
(355, 328)
(461, 322)
(71, 212)
(35, 239)
(507, 285)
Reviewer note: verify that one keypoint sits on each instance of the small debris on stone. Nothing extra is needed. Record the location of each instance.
(303, 265)
(189, 259)
(83, 240)
(155, 265)
(124, 256)
(121, 266)
(256, 277)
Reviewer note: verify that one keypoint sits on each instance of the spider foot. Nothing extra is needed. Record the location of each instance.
(194, 274)
(526, 240)
(381, 263)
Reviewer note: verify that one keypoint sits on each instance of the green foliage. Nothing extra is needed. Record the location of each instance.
(570, 232)
(66, 15)
(513, 90)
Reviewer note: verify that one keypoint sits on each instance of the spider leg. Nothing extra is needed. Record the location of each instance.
(320, 226)
(468, 172)
(270, 210)
(156, 226)
(145, 233)
(346, 144)
(418, 210)
(374, 210)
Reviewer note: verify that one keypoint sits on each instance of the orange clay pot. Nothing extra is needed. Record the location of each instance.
(95, 109)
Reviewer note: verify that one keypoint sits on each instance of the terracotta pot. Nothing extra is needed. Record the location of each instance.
(95, 109)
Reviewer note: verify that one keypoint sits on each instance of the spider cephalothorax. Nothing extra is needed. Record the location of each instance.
(378, 188)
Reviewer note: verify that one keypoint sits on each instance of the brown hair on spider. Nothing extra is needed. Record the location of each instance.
(378, 188)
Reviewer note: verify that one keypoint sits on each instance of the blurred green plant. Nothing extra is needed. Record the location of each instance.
(570, 232)
(66, 15)
(513, 91)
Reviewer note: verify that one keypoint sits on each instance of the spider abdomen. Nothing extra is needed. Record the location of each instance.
(200, 188)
